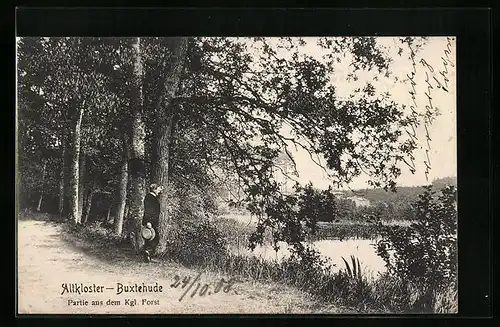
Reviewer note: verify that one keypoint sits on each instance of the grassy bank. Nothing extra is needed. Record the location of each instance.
(238, 227)
(343, 230)
(356, 292)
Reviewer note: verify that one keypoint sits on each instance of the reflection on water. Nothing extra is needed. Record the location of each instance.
(334, 250)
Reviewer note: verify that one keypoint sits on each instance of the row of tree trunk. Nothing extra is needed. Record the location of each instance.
(133, 170)
(80, 198)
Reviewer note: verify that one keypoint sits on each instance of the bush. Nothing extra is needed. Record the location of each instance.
(425, 253)
(194, 238)
(196, 242)
(391, 294)
(96, 232)
(189, 202)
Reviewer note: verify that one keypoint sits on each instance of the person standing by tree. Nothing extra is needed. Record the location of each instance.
(151, 219)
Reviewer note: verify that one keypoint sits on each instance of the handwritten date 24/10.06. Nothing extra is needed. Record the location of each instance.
(189, 284)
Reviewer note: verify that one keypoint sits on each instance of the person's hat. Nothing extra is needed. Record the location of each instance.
(148, 233)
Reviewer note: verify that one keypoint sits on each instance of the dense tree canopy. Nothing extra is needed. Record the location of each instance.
(233, 106)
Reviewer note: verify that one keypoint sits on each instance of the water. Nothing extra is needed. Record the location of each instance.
(334, 250)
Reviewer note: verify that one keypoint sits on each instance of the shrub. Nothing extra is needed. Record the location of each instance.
(196, 242)
(391, 294)
(97, 232)
(186, 201)
(425, 253)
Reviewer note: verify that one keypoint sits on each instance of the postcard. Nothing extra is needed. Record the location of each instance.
(236, 175)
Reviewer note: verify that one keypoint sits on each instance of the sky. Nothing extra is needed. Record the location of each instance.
(442, 131)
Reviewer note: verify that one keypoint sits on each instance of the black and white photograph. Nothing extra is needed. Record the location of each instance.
(236, 175)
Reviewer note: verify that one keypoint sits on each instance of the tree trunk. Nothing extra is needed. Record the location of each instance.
(108, 215)
(81, 186)
(160, 176)
(164, 124)
(39, 205)
(137, 176)
(88, 205)
(136, 140)
(44, 170)
(74, 215)
(62, 174)
(122, 192)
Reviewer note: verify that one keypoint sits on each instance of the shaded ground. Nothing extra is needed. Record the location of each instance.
(47, 258)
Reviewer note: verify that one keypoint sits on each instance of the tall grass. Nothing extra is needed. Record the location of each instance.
(236, 232)
(355, 290)
(349, 288)
(237, 227)
(343, 230)
(355, 271)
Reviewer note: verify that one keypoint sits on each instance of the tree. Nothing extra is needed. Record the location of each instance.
(44, 171)
(284, 162)
(62, 78)
(36, 121)
(62, 172)
(243, 102)
(164, 127)
(197, 108)
(122, 191)
(240, 103)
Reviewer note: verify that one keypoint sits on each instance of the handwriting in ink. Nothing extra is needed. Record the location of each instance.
(414, 113)
(447, 52)
(428, 161)
(200, 289)
(446, 61)
(444, 73)
(428, 115)
(425, 64)
(429, 87)
(435, 80)
(439, 85)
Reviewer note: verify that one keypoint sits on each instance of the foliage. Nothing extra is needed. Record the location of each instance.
(316, 206)
(242, 103)
(187, 202)
(388, 294)
(239, 105)
(294, 217)
(96, 233)
(33, 181)
(388, 206)
(392, 205)
(56, 76)
(196, 242)
(425, 253)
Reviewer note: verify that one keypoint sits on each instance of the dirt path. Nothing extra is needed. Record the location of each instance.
(46, 261)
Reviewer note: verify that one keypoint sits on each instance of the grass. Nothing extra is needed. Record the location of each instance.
(348, 288)
(75, 255)
(353, 271)
(344, 230)
(237, 230)
(353, 290)
(237, 227)
(38, 216)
